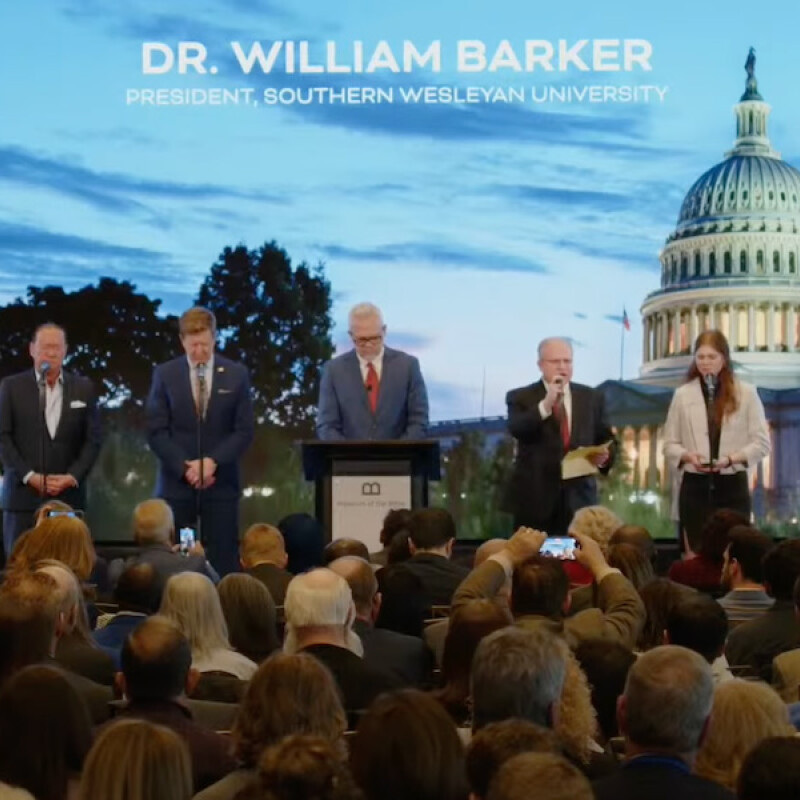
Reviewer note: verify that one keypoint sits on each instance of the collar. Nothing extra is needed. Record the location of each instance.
(567, 391)
(209, 364)
(172, 705)
(376, 362)
(59, 379)
(657, 760)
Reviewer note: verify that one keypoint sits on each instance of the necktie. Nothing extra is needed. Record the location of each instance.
(372, 386)
(560, 412)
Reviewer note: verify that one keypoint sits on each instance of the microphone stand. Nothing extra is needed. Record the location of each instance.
(710, 385)
(43, 432)
(201, 413)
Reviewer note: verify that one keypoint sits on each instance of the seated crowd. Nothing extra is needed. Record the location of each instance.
(329, 673)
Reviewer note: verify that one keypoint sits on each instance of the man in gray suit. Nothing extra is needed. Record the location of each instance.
(371, 392)
(45, 454)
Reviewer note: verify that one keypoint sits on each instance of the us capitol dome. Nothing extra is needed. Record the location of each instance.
(732, 262)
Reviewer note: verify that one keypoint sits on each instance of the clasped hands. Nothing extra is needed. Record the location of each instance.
(52, 484)
(192, 472)
(696, 460)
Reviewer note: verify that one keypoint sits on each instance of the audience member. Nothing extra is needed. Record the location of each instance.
(304, 540)
(703, 571)
(550, 776)
(498, 742)
(404, 604)
(191, 601)
(319, 620)
(659, 597)
(786, 666)
(663, 715)
(432, 534)
(757, 642)
(771, 770)
(249, 612)
(156, 676)
(743, 574)
(406, 746)
(289, 694)
(340, 548)
(45, 733)
(405, 656)
(633, 563)
(262, 554)
(743, 714)
(137, 760)
(638, 536)
(394, 523)
(399, 549)
(302, 768)
(598, 523)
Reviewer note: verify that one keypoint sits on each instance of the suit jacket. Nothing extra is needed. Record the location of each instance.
(344, 412)
(72, 450)
(786, 675)
(227, 430)
(405, 656)
(167, 563)
(686, 430)
(274, 578)
(440, 576)
(535, 483)
(113, 634)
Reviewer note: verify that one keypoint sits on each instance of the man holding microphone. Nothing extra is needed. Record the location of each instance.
(548, 419)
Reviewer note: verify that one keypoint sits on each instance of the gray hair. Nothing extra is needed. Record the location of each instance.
(364, 311)
(668, 697)
(518, 672)
(153, 522)
(552, 340)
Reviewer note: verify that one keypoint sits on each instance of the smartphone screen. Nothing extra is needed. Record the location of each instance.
(187, 539)
(559, 547)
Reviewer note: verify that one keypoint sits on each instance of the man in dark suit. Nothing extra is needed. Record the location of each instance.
(548, 419)
(405, 656)
(663, 715)
(199, 424)
(262, 554)
(48, 454)
(371, 392)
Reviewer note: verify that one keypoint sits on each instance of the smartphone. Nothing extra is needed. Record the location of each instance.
(559, 547)
(187, 539)
(54, 512)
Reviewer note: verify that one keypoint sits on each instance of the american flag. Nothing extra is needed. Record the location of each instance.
(626, 323)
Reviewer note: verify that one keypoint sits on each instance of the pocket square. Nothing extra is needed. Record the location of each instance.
(225, 391)
(77, 404)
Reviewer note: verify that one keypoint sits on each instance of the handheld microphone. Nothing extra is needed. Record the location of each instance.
(44, 368)
(201, 371)
(711, 385)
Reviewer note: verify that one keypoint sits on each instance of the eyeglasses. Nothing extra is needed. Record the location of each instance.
(565, 361)
(365, 340)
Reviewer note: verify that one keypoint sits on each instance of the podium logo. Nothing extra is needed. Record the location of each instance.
(371, 489)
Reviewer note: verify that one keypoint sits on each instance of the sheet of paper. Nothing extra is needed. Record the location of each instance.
(576, 463)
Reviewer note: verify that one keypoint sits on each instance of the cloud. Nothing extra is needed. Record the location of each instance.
(459, 401)
(641, 258)
(447, 256)
(613, 318)
(561, 196)
(410, 340)
(579, 315)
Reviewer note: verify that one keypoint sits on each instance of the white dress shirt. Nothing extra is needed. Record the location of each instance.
(53, 402)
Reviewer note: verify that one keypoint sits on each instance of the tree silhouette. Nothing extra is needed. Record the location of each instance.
(275, 319)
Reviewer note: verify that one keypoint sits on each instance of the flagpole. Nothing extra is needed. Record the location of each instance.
(621, 349)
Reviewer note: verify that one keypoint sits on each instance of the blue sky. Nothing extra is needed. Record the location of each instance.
(478, 229)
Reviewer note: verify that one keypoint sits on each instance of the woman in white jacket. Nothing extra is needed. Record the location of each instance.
(715, 431)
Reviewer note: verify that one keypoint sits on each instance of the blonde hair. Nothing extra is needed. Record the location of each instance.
(153, 522)
(742, 715)
(64, 539)
(576, 722)
(197, 320)
(262, 542)
(553, 777)
(192, 604)
(136, 760)
(596, 522)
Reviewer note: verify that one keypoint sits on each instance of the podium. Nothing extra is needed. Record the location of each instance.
(358, 482)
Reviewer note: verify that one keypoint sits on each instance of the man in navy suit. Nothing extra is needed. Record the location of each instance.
(548, 419)
(45, 455)
(199, 424)
(371, 392)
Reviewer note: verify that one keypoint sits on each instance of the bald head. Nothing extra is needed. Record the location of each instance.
(488, 549)
(361, 579)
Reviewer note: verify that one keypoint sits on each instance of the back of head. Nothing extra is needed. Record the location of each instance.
(65, 539)
(360, 578)
(318, 598)
(399, 549)
(136, 760)
(304, 540)
(250, 615)
(138, 589)
(667, 700)
(520, 673)
(659, 597)
(153, 523)
(45, 732)
(632, 562)
(748, 546)
(288, 694)
(771, 770)
(539, 586)
(405, 604)
(304, 768)
(407, 746)
(192, 604)
(495, 744)
(395, 522)
(546, 776)
(782, 568)
(636, 535)
(72, 607)
(699, 623)
(596, 522)
(155, 661)
(339, 548)
(431, 528)
(714, 536)
(261, 544)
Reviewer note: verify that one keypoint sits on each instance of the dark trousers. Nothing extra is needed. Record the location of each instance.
(701, 495)
(15, 523)
(218, 530)
(571, 497)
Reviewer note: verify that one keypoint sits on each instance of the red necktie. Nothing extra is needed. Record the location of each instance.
(372, 386)
(560, 411)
